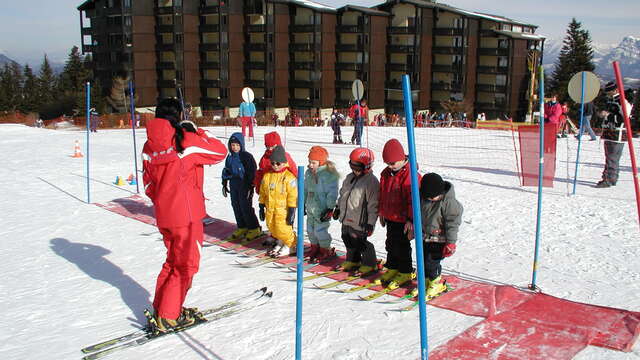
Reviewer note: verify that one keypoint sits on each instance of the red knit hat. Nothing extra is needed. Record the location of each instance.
(272, 139)
(393, 151)
(318, 153)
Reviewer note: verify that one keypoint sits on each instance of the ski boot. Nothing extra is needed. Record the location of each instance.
(435, 287)
(349, 266)
(254, 234)
(159, 325)
(386, 277)
(324, 254)
(239, 234)
(365, 270)
(400, 279)
(312, 252)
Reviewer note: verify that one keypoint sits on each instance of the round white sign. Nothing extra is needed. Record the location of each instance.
(591, 86)
(357, 88)
(247, 94)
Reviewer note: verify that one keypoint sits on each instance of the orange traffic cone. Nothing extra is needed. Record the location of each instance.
(130, 178)
(76, 150)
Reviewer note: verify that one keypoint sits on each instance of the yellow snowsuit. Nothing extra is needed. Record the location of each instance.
(279, 191)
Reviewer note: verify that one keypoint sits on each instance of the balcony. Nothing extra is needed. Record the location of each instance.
(113, 29)
(350, 28)
(448, 50)
(165, 65)
(209, 28)
(349, 66)
(114, 11)
(167, 10)
(166, 83)
(489, 106)
(441, 85)
(304, 28)
(165, 28)
(394, 103)
(255, 28)
(86, 31)
(448, 31)
(493, 69)
(207, 65)
(300, 103)
(207, 83)
(344, 84)
(400, 67)
(491, 88)
(255, 46)
(305, 84)
(493, 51)
(401, 29)
(350, 47)
(257, 65)
(453, 68)
(210, 47)
(302, 65)
(393, 84)
(166, 47)
(87, 48)
(304, 47)
(255, 83)
(401, 48)
(209, 10)
(212, 102)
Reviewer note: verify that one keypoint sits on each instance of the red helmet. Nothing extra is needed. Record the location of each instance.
(362, 157)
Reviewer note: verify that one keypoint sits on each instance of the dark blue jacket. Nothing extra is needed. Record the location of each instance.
(240, 167)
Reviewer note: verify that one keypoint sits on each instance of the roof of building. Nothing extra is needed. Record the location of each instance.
(362, 9)
(308, 4)
(89, 4)
(519, 35)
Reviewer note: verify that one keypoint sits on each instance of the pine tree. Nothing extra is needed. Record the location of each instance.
(47, 83)
(74, 77)
(11, 80)
(576, 55)
(30, 100)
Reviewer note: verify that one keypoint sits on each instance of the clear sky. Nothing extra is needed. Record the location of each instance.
(31, 28)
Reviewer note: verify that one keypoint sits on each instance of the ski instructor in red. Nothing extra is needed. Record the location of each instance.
(171, 158)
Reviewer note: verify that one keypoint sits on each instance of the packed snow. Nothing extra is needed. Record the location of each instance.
(75, 274)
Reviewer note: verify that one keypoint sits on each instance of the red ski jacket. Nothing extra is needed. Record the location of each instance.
(264, 166)
(173, 181)
(395, 195)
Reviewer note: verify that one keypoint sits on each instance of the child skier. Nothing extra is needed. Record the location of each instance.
(278, 200)
(239, 171)
(441, 216)
(271, 140)
(320, 195)
(336, 121)
(357, 210)
(394, 209)
(171, 158)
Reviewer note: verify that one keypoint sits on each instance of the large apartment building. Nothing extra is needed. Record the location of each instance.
(299, 54)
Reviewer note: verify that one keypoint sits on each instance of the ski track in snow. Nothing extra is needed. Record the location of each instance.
(75, 274)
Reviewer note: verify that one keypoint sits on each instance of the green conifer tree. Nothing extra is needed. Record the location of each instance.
(73, 78)
(30, 100)
(47, 83)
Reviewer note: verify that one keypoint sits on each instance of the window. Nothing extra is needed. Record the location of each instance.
(179, 38)
(503, 61)
(501, 80)
(127, 21)
(503, 43)
(316, 93)
(127, 3)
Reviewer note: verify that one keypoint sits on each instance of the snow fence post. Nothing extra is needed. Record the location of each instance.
(627, 124)
(133, 128)
(299, 266)
(575, 177)
(417, 218)
(533, 286)
(88, 110)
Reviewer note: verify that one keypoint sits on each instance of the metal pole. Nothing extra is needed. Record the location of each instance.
(88, 109)
(575, 177)
(540, 180)
(627, 124)
(299, 267)
(417, 218)
(133, 128)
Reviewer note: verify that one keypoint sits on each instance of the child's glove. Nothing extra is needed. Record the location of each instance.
(225, 188)
(368, 228)
(262, 216)
(448, 250)
(326, 215)
(291, 215)
(336, 213)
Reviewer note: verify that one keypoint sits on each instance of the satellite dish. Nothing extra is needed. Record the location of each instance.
(357, 88)
(248, 95)
(591, 86)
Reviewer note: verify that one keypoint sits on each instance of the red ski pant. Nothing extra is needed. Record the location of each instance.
(247, 121)
(183, 260)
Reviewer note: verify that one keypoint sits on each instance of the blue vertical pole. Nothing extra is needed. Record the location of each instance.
(575, 177)
(299, 267)
(417, 219)
(540, 181)
(88, 109)
(133, 128)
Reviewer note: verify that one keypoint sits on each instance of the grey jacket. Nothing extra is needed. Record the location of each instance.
(358, 201)
(441, 219)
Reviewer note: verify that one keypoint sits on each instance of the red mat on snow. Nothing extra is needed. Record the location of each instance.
(518, 325)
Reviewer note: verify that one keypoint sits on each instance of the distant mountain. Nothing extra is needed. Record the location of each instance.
(5, 59)
(627, 53)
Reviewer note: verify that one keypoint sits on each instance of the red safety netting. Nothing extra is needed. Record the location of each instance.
(529, 136)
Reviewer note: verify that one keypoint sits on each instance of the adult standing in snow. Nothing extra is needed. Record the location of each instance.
(171, 157)
(553, 112)
(614, 135)
(93, 120)
(247, 113)
(589, 110)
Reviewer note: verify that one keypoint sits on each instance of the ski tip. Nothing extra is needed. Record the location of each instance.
(263, 289)
(269, 294)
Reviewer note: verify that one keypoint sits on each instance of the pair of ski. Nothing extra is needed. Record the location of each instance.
(144, 335)
(414, 299)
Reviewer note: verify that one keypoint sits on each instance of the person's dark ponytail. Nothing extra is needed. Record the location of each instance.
(170, 109)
